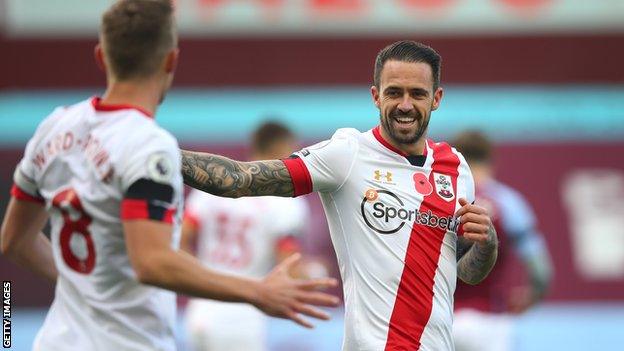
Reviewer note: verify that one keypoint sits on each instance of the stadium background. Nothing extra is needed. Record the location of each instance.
(543, 78)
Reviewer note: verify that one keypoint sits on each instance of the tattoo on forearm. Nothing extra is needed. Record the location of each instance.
(222, 176)
(477, 263)
(463, 246)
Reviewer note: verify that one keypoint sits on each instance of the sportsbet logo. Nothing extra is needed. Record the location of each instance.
(385, 213)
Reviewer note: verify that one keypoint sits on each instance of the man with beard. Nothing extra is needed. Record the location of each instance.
(398, 205)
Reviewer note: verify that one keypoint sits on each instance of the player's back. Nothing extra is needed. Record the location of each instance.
(240, 236)
(81, 161)
(237, 236)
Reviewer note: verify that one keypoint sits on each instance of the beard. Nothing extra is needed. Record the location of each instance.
(405, 138)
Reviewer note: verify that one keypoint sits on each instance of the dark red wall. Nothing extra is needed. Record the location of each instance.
(537, 171)
(35, 63)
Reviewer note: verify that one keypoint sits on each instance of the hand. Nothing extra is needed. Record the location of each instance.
(521, 298)
(476, 223)
(310, 268)
(284, 297)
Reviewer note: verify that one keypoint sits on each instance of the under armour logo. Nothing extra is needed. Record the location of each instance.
(379, 174)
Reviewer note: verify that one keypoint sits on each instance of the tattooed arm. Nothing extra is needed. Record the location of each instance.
(477, 250)
(478, 260)
(463, 246)
(222, 176)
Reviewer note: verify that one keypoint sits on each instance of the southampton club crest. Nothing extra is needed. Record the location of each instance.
(444, 187)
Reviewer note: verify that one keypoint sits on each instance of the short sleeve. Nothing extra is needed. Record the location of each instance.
(157, 160)
(325, 166)
(150, 180)
(517, 219)
(25, 185)
(516, 214)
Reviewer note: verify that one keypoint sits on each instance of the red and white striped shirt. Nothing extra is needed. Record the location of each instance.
(391, 221)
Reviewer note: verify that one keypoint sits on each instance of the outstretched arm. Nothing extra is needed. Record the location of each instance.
(222, 176)
(479, 259)
(155, 263)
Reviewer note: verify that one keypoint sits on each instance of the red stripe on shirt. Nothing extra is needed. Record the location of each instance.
(139, 209)
(301, 179)
(20, 194)
(414, 301)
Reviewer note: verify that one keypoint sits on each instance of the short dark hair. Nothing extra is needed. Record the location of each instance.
(474, 145)
(267, 134)
(409, 51)
(136, 36)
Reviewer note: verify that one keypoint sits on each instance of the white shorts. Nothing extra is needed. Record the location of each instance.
(220, 326)
(72, 325)
(480, 331)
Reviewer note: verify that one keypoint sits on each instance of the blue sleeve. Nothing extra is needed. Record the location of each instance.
(516, 214)
(518, 222)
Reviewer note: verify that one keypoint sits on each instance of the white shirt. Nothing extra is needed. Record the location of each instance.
(240, 236)
(392, 226)
(80, 163)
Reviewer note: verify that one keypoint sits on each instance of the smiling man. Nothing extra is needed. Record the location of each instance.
(398, 207)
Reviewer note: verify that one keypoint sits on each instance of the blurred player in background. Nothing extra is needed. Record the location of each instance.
(482, 319)
(245, 237)
(109, 179)
(397, 204)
